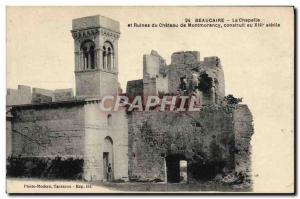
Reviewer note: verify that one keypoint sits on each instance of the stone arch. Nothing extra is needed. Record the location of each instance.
(104, 57)
(87, 48)
(108, 56)
(108, 159)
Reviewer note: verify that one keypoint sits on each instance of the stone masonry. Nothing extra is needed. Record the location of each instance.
(214, 141)
(140, 146)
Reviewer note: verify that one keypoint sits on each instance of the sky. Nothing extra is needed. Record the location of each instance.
(258, 63)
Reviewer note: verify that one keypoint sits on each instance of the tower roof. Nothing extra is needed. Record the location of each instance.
(96, 21)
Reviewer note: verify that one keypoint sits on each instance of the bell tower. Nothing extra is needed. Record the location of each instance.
(96, 56)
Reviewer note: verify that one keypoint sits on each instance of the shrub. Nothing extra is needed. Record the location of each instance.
(230, 99)
(45, 167)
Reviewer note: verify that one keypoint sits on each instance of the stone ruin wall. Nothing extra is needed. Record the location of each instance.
(195, 135)
(155, 80)
(184, 64)
(23, 95)
(39, 131)
(46, 141)
(243, 130)
(211, 138)
(160, 78)
(134, 88)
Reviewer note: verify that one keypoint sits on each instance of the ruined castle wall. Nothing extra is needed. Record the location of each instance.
(187, 57)
(243, 130)
(8, 138)
(149, 86)
(181, 65)
(212, 66)
(40, 131)
(162, 84)
(151, 65)
(184, 64)
(154, 81)
(22, 95)
(63, 94)
(202, 138)
(135, 88)
(175, 72)
(40, 95)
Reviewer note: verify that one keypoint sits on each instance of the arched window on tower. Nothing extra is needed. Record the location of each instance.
(104, 57)
(88, 52)
(108, 56)
(92, 57)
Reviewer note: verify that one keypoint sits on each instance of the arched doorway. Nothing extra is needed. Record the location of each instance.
(108, 172)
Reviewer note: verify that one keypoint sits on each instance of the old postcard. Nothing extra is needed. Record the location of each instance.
(150, 100)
